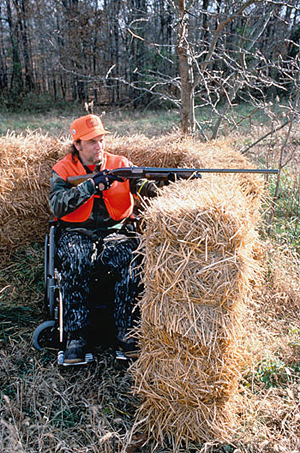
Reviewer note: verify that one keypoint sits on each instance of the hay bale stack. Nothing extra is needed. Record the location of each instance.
(176, 150)
(198, 264)
(199, 241)
(26, 162)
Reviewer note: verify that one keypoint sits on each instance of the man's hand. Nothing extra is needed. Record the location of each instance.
(104, 181)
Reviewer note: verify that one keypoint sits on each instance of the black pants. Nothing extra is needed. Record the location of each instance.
(81, 258)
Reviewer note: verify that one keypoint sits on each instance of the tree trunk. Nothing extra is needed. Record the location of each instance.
(3, 66)
(186, 74)
(16, 83)
(25, 43)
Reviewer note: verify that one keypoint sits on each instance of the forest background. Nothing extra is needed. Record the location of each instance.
(212, 68)
(187, 55)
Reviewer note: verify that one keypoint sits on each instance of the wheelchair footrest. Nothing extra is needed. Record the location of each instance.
(89, 357)
(121, 356)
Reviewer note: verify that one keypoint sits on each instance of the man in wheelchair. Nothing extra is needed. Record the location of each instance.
(92, 236)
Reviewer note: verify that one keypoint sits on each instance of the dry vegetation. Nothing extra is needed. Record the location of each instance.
(255, 354)
(199, 264)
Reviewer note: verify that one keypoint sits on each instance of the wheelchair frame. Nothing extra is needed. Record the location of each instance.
(50, 333)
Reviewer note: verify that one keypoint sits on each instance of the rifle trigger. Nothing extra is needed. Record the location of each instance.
(171, 177)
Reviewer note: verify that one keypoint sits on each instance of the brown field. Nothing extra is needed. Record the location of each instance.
(46, 409)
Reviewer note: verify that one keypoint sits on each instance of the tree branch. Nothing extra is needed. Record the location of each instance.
(217, 34)
(264, 136)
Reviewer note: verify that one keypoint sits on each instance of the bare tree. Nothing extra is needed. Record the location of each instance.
(227, 52)
(186, 72)
(187, 54)
(16, 83)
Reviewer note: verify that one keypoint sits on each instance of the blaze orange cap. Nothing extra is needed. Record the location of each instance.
(87, 127)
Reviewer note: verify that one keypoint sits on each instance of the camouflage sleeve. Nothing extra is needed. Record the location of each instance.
(64, 199)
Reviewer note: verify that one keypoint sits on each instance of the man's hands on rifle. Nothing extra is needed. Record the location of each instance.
(103, 181)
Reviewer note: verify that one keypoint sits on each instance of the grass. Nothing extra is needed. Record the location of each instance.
(44, 409)
(122, 121)
(117, 122)
(287, 208)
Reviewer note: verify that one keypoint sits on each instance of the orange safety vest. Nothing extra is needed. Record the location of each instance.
(118, 199)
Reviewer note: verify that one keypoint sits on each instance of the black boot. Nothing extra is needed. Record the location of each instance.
(128, 345)
(76, 345)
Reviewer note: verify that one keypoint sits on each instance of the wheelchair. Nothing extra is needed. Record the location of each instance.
(50, 333)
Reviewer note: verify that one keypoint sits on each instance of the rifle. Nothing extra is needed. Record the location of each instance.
(163, 174)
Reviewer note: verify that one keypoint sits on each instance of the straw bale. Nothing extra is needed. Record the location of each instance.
(199, 246)
(26, 162)
(175, 150)
(187, 389)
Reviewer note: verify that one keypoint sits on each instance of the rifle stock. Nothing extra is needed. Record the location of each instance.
(165, 174)
(75, 180)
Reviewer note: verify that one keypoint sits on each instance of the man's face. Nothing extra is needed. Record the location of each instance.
(91, 151)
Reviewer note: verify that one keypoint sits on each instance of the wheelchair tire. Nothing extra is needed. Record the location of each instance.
(50, 295)
(46, 258)
(46, 335)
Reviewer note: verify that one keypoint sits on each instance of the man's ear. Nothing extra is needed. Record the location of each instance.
(77, 144)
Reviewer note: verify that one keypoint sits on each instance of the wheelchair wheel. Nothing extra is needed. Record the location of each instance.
(46, 335)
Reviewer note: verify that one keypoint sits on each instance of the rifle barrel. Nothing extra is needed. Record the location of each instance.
(195, 170)
(163, 173)
(236, 170)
